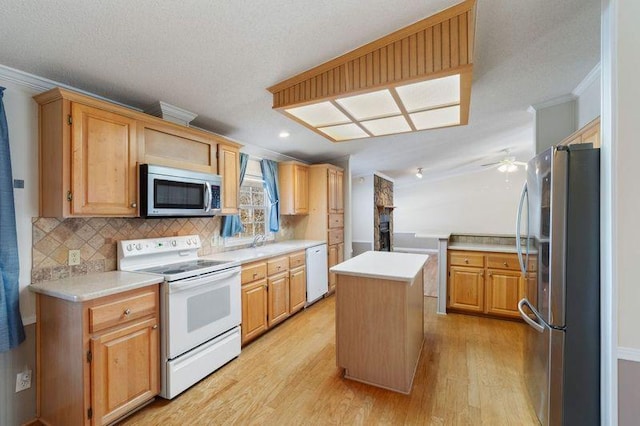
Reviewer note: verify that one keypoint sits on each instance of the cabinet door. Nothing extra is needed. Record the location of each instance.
(254, 309)
(333, 260)
(301, 189)
(278, 298)
(229, 169)
(503, 292)
(297, 289)
(124, 370)
(103, 165)
(339, 192)
(340, 252)
(466, 288)
(591, 135)
(331, 190)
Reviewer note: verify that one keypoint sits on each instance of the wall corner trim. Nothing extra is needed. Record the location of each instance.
(592, 76)
(629, 354)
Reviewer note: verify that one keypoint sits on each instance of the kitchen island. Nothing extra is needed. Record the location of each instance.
(379, 318)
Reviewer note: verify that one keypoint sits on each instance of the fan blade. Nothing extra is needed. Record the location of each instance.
(520, 163)
(491, 164)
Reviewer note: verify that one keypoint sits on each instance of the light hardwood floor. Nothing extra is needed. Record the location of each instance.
(468, 374)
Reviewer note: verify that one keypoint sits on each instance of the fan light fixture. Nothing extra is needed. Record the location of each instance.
(414, 79)
(419, 173)
(508, 168)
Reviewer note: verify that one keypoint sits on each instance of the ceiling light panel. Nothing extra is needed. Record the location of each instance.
(431, 93)
(441, 117)
(344, 132)
(320, 114)
(370, 105)
(387, 126)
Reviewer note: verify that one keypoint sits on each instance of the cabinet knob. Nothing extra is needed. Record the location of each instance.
(505, 264)
(127, 312)
(255, 274)
(134, 205)
(466, 261)
(155, 326)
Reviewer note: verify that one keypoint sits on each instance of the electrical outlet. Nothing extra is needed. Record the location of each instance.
(74, 257)
(23, 380)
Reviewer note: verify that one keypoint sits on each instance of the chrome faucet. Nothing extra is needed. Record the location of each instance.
(258, 239)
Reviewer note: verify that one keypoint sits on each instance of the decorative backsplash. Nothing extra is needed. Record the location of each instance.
(96, 238)
(482, 239)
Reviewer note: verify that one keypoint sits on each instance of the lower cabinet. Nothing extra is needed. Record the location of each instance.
(332, 253)
(486, 283)
(98, 360)
(272, 291)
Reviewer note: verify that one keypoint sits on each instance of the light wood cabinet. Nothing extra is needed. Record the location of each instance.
(590, 133)
(87, 161)
(229, 169)
(297, 289)
(278, 298)
(254, 309)
(485, 283)
(89, 151)
(293, 181)
(95, 377)
(325, 221)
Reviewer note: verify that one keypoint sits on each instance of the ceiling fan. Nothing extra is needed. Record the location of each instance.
(507, 164)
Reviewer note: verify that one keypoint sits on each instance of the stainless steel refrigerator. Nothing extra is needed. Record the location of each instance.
(559, 221)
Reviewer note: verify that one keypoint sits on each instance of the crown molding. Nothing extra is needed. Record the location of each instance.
(552, 102)
(590, 78)
(171, 113)
(41, 84)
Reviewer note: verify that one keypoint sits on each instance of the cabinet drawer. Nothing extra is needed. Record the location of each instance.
(296, 259)
(336, 236)
(503, 261)
(278, 264)
(336, 221)
(465, 258)
(121, 311)
(254, 271)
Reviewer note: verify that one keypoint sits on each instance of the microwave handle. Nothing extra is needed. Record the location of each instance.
(207, 196)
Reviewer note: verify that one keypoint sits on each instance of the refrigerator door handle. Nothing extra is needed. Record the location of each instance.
(536, 326)
(523, 196)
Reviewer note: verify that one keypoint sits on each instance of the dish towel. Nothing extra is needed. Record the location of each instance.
(11, 329)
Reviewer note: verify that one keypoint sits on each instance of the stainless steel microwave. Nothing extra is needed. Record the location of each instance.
(170, 192)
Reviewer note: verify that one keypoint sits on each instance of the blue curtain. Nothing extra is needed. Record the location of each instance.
(270, 176)
(11, 329)
(231, 225)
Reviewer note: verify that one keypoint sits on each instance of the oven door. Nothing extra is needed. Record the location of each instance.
(201, 308)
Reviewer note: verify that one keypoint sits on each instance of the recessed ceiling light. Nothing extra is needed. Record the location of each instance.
(284, 134)
(419, 173)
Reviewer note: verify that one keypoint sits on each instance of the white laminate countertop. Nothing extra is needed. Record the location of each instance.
(87, 287)
(264, 252)
(383, 265)
(499, 248)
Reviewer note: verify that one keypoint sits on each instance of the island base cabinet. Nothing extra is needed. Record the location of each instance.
(379, 330)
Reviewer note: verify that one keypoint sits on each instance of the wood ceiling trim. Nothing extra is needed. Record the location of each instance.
(441, 44)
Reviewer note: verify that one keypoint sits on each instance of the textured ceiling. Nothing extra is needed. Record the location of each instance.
(216, 58)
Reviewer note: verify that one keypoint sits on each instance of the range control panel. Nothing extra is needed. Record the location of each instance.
(159, 245)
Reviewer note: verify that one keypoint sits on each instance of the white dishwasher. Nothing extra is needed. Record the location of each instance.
(317, 274)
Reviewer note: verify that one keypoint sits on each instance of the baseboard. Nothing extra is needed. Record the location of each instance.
(629, 354)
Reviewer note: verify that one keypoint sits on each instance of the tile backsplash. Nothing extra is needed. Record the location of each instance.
(483, 239)
(96, 238)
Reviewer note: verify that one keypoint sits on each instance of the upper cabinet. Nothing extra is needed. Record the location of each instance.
(590, 133)
(336, 194)
(293, 184)
(229, 169)
(89, 151)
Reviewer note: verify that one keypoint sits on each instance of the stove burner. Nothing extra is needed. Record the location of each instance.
(174, 271)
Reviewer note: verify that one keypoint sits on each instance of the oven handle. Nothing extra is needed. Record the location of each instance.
(208, 280)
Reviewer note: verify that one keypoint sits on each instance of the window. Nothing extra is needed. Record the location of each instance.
(254, 207)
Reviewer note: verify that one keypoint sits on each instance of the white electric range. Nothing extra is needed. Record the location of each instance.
(200, 306)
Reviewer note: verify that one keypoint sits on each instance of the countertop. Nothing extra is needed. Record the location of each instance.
(93, 286)
(383, 265)
(499, 248)
(263, 252)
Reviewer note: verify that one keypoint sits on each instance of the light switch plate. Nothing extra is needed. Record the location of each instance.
(74, 257)
(23, 380)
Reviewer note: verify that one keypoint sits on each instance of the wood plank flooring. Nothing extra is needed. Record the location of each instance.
(469, 374)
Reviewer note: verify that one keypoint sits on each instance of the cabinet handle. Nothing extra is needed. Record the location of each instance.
(155, 326)
(279, 268)
(134, 205)
(505, 264)
(127, 312)
(490, 274)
